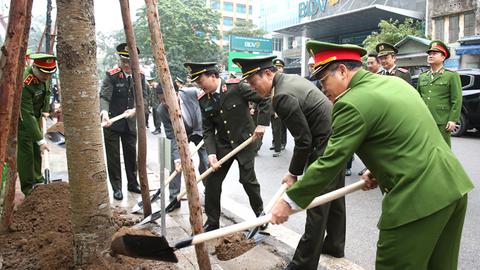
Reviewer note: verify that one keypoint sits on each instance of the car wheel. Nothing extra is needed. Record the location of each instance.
(460, 127)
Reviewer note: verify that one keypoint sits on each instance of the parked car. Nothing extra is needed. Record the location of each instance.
(470, 116)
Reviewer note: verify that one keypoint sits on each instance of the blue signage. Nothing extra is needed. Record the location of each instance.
(313, 7)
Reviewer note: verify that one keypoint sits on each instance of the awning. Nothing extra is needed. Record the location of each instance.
(354, 21)
(468, 49)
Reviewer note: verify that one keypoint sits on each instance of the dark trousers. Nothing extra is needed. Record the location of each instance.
(176, 184)
(146, 119)
(279, 133)
(213, 189)
(112, 149)
(156, 119)
(329, 218)
(29, 163)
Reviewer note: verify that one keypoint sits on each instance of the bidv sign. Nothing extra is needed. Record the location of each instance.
(313, 7)
(251, 44)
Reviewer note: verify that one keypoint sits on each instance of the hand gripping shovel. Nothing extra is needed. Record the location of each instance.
(170, 206)
(268, 208)
(139, 206)
(114, 119)
(157, 248)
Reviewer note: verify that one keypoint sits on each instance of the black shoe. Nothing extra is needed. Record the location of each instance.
(176, 206)
(155, 132)
(276, 154)
(272, 147)
(210, 227)
(134, 189)
(362, 171)
(117, 195)
(348, 172)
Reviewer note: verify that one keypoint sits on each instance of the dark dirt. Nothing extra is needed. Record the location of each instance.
(42, 238)
(232, 246)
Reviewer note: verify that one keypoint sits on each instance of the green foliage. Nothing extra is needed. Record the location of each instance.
(246, 28)
(394, 31)
(187, 28)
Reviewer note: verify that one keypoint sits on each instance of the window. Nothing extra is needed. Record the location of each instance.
(227, 21)
(469, 23)
(465, 80)
(277, 44)
(439, 28)
(227, 6)
(215, 4)
(290, 42)
(250, 10)
(453, 29)
(241, 8)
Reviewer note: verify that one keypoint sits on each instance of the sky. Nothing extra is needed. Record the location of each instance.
(108, 16)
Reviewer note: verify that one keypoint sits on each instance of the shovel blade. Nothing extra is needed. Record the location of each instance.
(144, 246)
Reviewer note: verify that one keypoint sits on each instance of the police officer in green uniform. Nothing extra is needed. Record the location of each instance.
(35, 102)
(386, 123)
(279, 130)
(226, 124)
(307, 114)
(387, 56)
(441, 89)
(117, 96)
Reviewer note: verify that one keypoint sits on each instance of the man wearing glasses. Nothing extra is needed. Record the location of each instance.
(385, 122)
(306, 112)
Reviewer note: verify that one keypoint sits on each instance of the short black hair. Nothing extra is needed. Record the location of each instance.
(373, 54)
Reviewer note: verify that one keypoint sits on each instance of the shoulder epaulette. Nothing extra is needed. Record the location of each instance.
(200, 94)
(28, 79)
(114, 71)
(403, 70)
(233, 80)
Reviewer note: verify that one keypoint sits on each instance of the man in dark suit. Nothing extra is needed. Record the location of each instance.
(192, 119)
(117, 96)
(226, 124)
(387, 56)
(307, 114)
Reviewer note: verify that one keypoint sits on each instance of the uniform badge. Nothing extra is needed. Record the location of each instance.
(28, 79)
(381, 47)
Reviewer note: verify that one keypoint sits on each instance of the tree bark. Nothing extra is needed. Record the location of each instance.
(91, 215)
(139, 107)
(10, 53)
(11, 151)
(163, 72)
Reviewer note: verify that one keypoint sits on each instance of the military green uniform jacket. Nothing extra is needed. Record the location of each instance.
(35, 100)
(442, 92)
(226, 118)
(398, 72)
(117, 95)
(387, 124)
(307, 114)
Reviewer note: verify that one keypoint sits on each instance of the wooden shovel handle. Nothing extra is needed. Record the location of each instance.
(174, 173)
(275, 198)
(220, 162)
(265, 219)
(115, 119)
(46, 159)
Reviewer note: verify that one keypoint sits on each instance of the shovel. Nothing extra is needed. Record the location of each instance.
(137, 207)
(170, 206)
(268, 208)
(157, 247)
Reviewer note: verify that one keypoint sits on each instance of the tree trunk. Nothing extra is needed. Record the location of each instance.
(139, 107)
(91, 215)
(175, 116)
(10, 53)
(11, 151)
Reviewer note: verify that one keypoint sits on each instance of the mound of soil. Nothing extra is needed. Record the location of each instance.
(42, 238)
(232, 246)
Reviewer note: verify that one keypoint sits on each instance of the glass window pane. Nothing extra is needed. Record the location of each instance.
(228, 21)
(228, 6)
(453, 29)
(439, 30)
(469, 23)
(241, 8)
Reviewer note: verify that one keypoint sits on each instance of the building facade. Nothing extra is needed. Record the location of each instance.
(231, 11)
(343, 21)
(457, 23)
